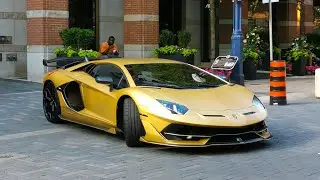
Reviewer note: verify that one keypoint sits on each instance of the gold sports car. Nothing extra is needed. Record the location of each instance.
(154, 101)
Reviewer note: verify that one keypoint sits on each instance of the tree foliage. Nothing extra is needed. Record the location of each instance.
(317, 12)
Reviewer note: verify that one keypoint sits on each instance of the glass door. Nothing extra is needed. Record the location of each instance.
(83, 14)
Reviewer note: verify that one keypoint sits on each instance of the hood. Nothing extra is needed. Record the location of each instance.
(212, 99)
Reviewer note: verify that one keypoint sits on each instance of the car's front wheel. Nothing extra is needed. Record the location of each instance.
(51, 105)
(133, 128)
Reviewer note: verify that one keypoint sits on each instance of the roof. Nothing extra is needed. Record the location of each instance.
(125, 61)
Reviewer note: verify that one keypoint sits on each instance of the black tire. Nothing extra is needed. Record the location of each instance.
(133, 128)
(51, 104)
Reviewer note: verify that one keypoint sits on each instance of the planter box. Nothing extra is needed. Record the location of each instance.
(249, 70)
(299, 67)
(178, 57)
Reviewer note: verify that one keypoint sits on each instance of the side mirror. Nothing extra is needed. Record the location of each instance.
(104, 80)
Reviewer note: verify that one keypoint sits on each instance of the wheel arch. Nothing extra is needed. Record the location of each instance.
(47, 81)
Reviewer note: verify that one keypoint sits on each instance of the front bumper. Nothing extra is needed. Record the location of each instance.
(179, 135)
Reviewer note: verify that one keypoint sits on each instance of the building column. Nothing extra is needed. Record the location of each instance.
(45, 19)
(193, 25)
(289, 21)
(308, 16)
(226, 25)
(111, 21)
(141, 28)
(13, 39)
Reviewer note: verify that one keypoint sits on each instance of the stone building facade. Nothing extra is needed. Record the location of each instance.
(29, 29)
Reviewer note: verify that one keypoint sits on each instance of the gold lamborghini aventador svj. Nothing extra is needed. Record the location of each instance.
(154, 101)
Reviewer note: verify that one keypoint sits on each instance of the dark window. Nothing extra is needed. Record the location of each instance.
(172, 75)
(82, 14)
(170, 15)
(119, 79)
(94, 71)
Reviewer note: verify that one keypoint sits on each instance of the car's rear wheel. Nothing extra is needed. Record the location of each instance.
(133, 128)
(51, 105)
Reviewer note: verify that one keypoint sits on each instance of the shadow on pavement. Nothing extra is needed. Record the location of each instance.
(286, 135)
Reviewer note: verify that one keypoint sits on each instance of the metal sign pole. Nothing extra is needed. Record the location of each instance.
(270, 30)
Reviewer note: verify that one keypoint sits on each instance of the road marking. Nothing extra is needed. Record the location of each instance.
(33, 133)
(30, 92)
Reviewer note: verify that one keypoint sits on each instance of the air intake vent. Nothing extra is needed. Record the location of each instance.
(248, 113)
(213, 115)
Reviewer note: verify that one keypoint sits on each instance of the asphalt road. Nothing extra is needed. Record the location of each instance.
(32, 149)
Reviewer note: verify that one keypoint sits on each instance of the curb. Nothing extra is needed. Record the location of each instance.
(288, 78)
(17, 80)
(290, 97)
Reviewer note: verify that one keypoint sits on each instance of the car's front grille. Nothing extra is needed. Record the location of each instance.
(186, 130)
(227, 139)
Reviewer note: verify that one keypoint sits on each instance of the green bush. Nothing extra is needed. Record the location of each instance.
(77, 38)
(250, 54)
(88, 53)
(300, 49)
(167, 38)
(71, 52)
(314, 39)
(169, 50)
(184, 38)
(168, 45)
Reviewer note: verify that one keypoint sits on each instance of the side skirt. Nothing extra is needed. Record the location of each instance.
(109, 130)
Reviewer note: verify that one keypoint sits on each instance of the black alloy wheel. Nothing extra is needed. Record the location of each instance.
(51, 105)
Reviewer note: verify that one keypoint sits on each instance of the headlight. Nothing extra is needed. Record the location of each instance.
(256, 102)
(173, 107)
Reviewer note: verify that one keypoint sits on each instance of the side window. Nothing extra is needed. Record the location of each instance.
(119, 79)
(93, 71)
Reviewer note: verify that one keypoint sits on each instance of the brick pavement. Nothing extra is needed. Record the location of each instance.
(31, 148)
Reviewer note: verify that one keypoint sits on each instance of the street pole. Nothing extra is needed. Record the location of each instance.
(270, 31)
(237, 41)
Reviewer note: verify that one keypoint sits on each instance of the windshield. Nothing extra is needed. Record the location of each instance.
(172, 76)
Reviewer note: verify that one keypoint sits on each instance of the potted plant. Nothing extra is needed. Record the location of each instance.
(251, 58)
(60, 52)
(70, 55)
(76, 43)
(299, 55)
(259, 38)
(180, 52)
(252, 53)
(299, 59)
(167, 38)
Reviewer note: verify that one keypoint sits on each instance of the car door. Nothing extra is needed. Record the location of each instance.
(100, 99)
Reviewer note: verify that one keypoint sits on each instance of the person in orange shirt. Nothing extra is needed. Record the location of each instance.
(108, 48)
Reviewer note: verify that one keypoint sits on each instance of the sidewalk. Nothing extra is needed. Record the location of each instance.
(297, 88)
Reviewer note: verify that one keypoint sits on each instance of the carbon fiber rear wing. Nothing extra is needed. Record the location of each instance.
(65, 62)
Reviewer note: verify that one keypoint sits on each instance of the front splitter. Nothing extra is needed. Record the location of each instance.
(256, 140)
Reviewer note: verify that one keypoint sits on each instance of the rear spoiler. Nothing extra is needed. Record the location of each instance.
(65, 62)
